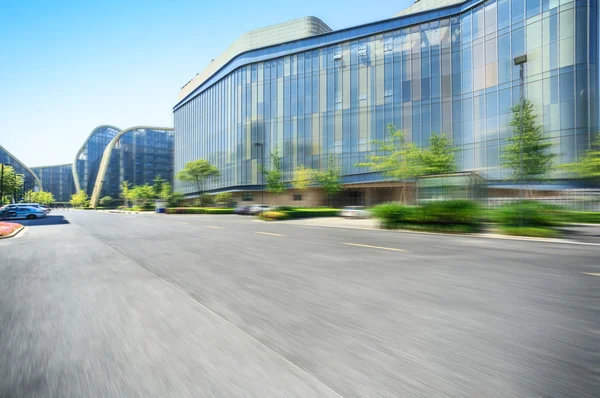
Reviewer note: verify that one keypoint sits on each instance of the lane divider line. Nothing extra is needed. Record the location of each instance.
(181, 222)
(213, 226)
(267, 233)
(591, 273)
(375, 247)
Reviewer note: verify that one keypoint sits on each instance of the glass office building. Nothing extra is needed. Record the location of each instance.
(58, 180)
(448, 70)
(89, 156)
(135, 155)
(30, 179)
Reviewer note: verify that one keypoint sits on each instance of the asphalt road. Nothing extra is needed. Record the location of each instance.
(112, 305)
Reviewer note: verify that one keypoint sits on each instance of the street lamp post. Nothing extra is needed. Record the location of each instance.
(521, 60)
(259, 172)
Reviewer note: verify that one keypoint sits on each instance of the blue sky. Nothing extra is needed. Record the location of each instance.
(70, 65)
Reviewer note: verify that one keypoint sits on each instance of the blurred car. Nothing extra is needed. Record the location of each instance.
(242, 210)
(257, 209)
(21, 211)
(36, 205)
(47, 208)
(355, 212)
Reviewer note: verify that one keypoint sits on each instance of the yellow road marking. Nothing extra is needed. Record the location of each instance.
(213, 226)
(591, 273)
(267, 233)
(375, 247)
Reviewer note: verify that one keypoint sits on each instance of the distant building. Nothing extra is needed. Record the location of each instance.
(58, 180)
(439, 66)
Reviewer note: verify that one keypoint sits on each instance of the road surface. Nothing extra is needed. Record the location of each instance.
(114, 305)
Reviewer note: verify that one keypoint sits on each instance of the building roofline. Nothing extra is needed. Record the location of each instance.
(24, 166)
(106, 158)
(75, 174)
(411, 19)
(52, 165)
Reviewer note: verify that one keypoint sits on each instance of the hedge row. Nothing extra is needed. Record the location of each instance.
(448, 215)
(309, 213)
(198, 210)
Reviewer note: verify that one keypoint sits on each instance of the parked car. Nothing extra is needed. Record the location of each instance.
(257, 209)
(21, 211)
(355, 212)
(242, 210)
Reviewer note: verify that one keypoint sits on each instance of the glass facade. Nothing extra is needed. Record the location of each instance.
(138, 156)
(30, 180)
(451, 74)
(87, 161)
(58, 180)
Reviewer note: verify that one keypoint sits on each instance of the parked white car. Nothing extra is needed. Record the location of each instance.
(22, 211)
(355, 212)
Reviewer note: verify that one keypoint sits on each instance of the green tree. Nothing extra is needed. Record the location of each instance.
(159, 182)
(106, 201)
(80, 199)
(126, 193)
(43, 198)
(173, 198)
(11, 183)
(527, 153)
(224, 199)
(303, 178)
(274, 175)
(588, 167)
(400, 160)
(166, 191)
(329, 179)
(197, 172)
(438, 158)
(142, 195)
(29, 197)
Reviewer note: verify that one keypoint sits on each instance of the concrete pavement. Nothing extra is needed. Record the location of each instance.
(105, 304)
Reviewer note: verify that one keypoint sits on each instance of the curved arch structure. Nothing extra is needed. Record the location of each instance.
(87, 160)
(31, 180)
(138, 155)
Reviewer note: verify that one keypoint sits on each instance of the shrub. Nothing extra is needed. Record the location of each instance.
(272, 215)
(224, 199)
(527, 213)
(539, 232)
(393, 215)
(174, 199)
(584, 217)
(106, 201)
(206, 200)
(309, 213)
(198, 210)
(450, 212)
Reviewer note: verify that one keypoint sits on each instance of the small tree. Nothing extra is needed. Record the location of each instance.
(29, 197)
(197, 172)
(588, 167)
(166, 191)
(11, 183)
(303, 178)
(142, 195)
(274, 176)
(329, 179)
(80, 199)
(106, 201)
(527, 152)
(400, 161)
(438, 158)
(43, 198)
(126, 193)
(158, 185)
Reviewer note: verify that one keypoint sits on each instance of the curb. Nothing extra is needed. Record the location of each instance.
(481, 236)
(13, 233)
